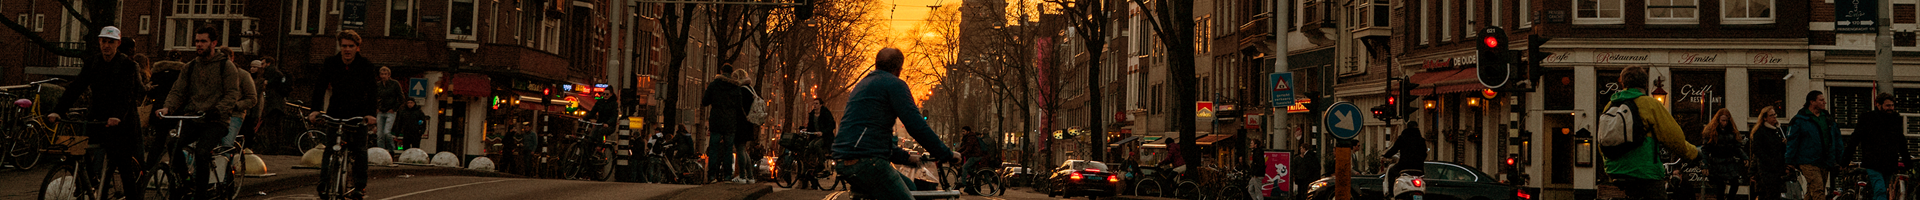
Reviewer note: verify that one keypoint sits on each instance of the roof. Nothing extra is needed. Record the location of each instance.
(1117, 143)
(1210, 139)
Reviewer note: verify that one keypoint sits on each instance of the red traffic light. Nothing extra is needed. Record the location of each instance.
(1491, 42)
(1509, 161)
(1391, 100)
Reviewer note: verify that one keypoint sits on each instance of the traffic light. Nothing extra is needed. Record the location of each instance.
(1492, 54)
(1512, 168)
(1535, 57)
(1381, 112)
(1408, 99)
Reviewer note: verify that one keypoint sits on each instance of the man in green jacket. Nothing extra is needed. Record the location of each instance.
(1814, 144)
(1639, 173)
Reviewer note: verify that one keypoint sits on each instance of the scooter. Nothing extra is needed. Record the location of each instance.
(1410, 185)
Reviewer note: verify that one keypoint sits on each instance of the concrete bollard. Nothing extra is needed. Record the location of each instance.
(379, 157)
(414, 157)
(446, 159)
(482, 164)
(255, 166)
(311, 158)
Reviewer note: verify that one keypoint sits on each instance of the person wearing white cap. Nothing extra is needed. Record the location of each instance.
(114, 80)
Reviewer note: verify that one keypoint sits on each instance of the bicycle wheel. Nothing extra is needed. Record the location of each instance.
(603, 163)
(307, 140)
(785, 172)
(229, 177)
(1149, 187)
(1186, 190)
(26, 153)
(987, 184)
(160, 182)
(62, 182)
(570, 166)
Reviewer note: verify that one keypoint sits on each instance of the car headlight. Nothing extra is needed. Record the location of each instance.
(1316, 185)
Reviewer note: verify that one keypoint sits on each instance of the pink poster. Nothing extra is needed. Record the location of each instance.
(1276, 172)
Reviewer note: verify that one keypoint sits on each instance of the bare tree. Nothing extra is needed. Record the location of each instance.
(1172, 21)
(1090, 21)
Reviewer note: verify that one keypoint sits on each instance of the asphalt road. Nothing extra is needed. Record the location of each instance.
(461, 187)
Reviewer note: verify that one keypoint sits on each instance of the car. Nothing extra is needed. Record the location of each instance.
(1445, 180)
(1083, 178)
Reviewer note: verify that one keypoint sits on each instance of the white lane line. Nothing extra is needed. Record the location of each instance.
(835, 195)
(443, 188)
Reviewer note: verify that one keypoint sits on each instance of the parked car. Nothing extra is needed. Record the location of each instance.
(1445, 180)
(1015, 175)
(1083, 178)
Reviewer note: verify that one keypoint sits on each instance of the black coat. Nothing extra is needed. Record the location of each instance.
(1879, 141)
(1768, 147)
(116, 88)
(821, 120)
(1726, 157)
(352, 85)
(729, 112)
(1411, 147)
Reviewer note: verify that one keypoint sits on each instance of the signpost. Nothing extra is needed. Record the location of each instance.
(417, 88)
(1282, 88)
(1343, 120)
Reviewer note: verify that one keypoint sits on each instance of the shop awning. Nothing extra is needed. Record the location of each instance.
(1210, 139)
(1117, 143)
(470, 84)
(1448, 81)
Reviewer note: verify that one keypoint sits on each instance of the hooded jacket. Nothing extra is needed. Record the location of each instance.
(1879, 141)
(1644, 162)
(211, 86)
(1813, 140)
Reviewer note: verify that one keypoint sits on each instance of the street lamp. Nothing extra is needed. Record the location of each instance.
(1660, 89)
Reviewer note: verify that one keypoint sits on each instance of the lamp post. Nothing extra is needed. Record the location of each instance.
(1660, 89)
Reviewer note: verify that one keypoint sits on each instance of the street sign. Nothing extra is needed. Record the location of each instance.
(1203, 109)
(417, 88)
(1282, 88)
(1343, 120)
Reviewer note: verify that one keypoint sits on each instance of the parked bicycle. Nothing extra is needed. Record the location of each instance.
(26, 133)
(589, 155)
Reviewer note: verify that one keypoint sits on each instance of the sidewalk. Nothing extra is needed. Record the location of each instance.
(25, 184)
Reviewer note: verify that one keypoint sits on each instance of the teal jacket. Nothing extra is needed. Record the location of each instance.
(866, 130)
(1813, 140)
(1644, 162)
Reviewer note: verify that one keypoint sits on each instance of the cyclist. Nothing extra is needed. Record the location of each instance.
(210, 86)
(1881, 144)
(971, 152)
(115, 82)
(351, 78)
(864, 154)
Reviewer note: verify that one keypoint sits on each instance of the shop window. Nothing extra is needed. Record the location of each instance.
(1559, 90)
(1847, 103)
(1559, 130)
(1763, 89)
(1695, 99)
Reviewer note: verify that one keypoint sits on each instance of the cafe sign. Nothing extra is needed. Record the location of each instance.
(1680, 57)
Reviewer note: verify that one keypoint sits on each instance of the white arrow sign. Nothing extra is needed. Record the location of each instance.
(1341, 124)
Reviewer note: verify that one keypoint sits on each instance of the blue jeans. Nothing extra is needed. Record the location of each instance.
(875, 178)
(386, 130)
(720, 157)
(1876, 184)
(233, 130)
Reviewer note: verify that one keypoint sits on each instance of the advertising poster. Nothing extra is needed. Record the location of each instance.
(1276, 172)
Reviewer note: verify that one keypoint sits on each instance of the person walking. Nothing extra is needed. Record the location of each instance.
(211, 87)
(1639, 172)
(866, 155)
(1726, 155)
(1766, 143)
(1814, 144)
(411, 125)
(1881, 144)
(114, 81)
(351, 78)
(726, 113)
(747, 135)
(390, 96)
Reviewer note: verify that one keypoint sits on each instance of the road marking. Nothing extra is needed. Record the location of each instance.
(443, 188)
(835, 195)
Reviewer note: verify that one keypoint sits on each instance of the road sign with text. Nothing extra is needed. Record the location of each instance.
(1282, 88)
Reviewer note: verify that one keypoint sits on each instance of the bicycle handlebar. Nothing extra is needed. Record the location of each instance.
(84, 122)
(181, 117)
(47, 81)
(589, 123)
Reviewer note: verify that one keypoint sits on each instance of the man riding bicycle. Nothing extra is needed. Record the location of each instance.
(866, 153)
(351, 78)
(117, 87)
(211, 87)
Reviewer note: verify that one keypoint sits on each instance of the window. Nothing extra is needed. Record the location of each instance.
(1747, 11)
(1672, 11)
(305, 19)
(462, 16)
(1525, 15)
(1598, 11)
(400, 18)
(1446, 20)
(224, 15)
(1421, 13)
(145, 21)
(39, 23)
(1473, 24)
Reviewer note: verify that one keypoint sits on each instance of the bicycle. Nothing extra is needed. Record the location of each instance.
(804, 162)
(1225, 188)
(981, 182)
(588, 151)
(335, 163)
(176, 164)
(90, 177)
(31, 136)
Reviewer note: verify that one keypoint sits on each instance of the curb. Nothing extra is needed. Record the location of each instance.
(289, 181)
(721, 191)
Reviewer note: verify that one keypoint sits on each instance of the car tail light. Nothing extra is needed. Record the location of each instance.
(1076, 176)
(1093, 170)
(1522, 194)
(1113, 178)
(1419, 183)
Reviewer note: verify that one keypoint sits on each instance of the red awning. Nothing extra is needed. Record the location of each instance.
(1449, 81)
(477, 85)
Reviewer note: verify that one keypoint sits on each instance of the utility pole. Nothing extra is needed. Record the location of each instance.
(1883, 45)
(1279, 33)
(1343, 148)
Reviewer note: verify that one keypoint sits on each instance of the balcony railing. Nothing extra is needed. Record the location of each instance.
(41, 57)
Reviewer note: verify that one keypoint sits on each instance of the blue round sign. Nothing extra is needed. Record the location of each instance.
(1343, 120)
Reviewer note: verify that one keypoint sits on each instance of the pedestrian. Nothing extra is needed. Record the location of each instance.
(1767, 145)
(351, 78)
(389, 96)
(248, 97)
(1726, 155)
(1881, 144)
(114, 82)
(1814, 143)
(748, 134)
(269, 100)
(866, 155)
(1639, 172)
(411, 124)
(726, 113)
(210, 87)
